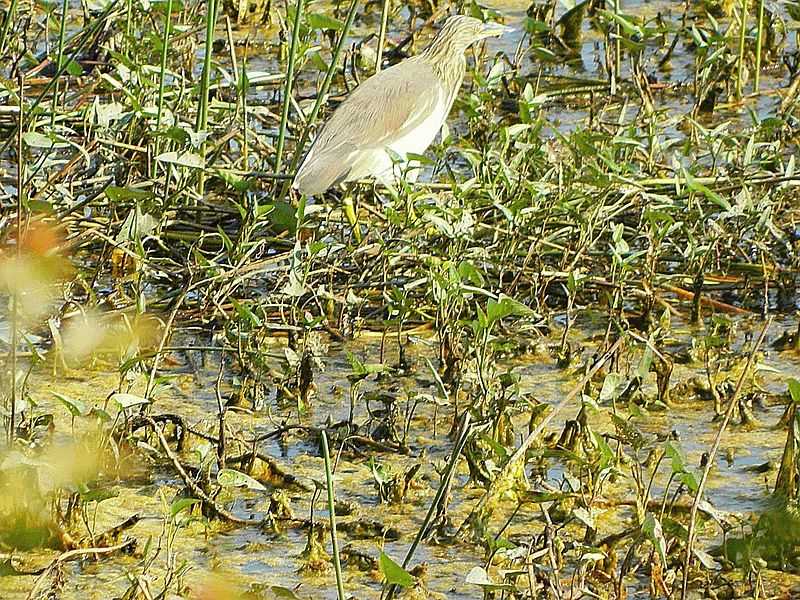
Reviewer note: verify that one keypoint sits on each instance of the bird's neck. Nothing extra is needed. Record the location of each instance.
(449, 66)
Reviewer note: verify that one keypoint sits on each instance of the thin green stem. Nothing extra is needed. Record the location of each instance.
(12, 11)
(617, 45)
(163, 68)
(332, 513)
(742, 38)
(61, 34)
(287, 88)
(18, 250)
(201, 123)
(323, 93)
(382, 34)
(759, 44)
(244, 85)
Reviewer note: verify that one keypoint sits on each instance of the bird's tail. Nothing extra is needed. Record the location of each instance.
(320, 172)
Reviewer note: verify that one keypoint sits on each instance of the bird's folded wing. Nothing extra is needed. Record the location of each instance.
(385, 108)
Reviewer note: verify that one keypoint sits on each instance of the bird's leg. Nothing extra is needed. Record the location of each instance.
(350, 212)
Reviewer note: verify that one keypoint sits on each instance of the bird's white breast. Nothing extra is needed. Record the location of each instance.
(414, 141)
(419, 138)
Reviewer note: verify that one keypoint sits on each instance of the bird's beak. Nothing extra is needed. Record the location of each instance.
(492, 29)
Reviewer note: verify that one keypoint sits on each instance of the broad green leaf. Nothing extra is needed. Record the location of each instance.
(794, 389)
(613, 386)
(652, 529)
(34, 139)
(585, 516)
(119, 194)
(95, 495)
(75, 407)
(323, 21)
(394, 573)
(675, 452)
(181, 505)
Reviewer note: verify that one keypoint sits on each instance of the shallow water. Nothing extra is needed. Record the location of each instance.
(252, 559)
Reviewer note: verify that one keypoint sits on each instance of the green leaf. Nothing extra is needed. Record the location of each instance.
(182, 159)
(240, 184)
(698, 187)
(182, 504)
(613, 386)
(74, 69)
(585, 516)
(283, 217)
(95, 495)
(644, 364)
(75, 407)
(652, 529)
(794, 389)
(125, 401)
(100, 414)
(505, 307)
(120, 194)
(323, 21)
(34, 139)
(231, 478)
(394, 573)
(675, 452)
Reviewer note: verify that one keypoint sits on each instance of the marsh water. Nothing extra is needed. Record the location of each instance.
(253, 560)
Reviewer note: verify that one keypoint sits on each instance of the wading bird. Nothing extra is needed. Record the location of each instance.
(395, 112)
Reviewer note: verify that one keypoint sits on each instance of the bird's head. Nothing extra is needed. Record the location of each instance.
(460, 31)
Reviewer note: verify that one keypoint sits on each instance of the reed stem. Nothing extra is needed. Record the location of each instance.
(322, 95)
(201, 123)
(61, 34)
(382, 34)
(287, 88)
(9, 17)
(332, 513)
(742, 37)
(14, 296)
(759, 44)
(163, 66)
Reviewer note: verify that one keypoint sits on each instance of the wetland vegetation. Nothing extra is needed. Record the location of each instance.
(562, 364)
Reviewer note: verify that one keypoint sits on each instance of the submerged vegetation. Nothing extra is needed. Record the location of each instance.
(561, 364)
